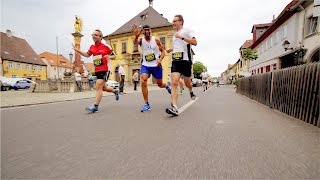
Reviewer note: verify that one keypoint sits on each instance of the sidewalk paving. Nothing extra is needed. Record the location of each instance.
(24, 98)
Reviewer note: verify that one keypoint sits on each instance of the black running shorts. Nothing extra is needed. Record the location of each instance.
(183, 67)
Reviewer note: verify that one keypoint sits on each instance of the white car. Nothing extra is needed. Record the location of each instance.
(113, 84)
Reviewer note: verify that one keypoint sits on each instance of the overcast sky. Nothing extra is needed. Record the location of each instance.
(221, 27)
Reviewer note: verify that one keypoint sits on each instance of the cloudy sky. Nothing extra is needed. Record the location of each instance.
(221, 27)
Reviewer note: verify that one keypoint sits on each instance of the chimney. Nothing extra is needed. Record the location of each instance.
(273, 18)
(9, 33)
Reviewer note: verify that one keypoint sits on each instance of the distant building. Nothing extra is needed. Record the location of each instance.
(19, 60)
(57, 65)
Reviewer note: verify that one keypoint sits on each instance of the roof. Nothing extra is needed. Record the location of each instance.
(148, 16)
(247, 44)
(18, 49)
(89, 67)
(286, 13)
(260, 26)
(51, 58)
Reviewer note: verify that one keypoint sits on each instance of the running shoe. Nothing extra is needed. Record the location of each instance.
(173, 110)
(146, 107)
(116, 94)
(92, 109)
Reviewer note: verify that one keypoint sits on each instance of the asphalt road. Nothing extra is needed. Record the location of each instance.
(221, 135)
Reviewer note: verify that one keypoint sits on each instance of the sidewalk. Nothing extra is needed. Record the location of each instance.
(14, 98)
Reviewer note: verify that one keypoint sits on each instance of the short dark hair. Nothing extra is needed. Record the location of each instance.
(98, 30)
(180, 18)
(145, 26)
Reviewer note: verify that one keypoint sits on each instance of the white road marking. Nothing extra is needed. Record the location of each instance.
(187, 105)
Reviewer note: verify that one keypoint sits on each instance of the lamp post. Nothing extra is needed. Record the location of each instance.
(285, 45)
(57, 56)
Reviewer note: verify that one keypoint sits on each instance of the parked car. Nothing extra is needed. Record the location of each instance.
(222, 82)
(22, 84)
(4, 86)
(196, 82)
(113, 84)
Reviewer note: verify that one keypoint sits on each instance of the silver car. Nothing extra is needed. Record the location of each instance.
(113, 84)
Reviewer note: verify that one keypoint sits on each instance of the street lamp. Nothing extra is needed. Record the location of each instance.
(57, 56)
(285, 45)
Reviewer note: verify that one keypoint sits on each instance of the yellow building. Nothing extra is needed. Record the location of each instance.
(19, 60)
(122, 43)
(243, 65)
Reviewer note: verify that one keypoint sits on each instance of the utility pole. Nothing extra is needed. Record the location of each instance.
(57, 56)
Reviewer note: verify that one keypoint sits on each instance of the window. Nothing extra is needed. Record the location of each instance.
(35, 68)
(268, 68)
(18, 66)
(114, 46)
(281, 34)
(135, 47)
(274, 66)
(124, 47)
(55, 68)
(285, 31)
(262, 48)
(27, 67)
(271, 41)
(143, 16)
(267, 44)
(163, 42)
(312, 24)
(14, 76)
(40, 68)
(10, 65)
(277, 37)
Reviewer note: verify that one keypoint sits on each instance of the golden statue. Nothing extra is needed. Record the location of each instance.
(78, 25)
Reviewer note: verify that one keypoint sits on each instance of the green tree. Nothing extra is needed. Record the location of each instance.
(249, 54)
(197, 69)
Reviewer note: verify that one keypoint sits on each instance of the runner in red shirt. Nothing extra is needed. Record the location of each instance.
(100, 54)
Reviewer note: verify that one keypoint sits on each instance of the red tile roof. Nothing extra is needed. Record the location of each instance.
(51, 58)
(286, 13)
(18, 49)
(89, 67)
(247, 44)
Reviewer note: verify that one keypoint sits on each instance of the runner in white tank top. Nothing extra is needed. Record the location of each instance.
(152, 55)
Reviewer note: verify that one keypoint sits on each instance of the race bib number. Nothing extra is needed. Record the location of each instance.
(150, 57)
(97, 60)
(177, 56)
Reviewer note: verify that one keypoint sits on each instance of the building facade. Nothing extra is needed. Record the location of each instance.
(19, 60)
(292, 39)
(125, 51)
(57, 65)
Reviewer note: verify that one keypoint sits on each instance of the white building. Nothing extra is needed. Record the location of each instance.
(291, 39)
(56, 65)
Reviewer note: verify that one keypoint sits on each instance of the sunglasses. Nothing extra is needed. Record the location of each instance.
(95, 35)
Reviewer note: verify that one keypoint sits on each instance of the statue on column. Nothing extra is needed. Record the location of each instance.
(78, 25)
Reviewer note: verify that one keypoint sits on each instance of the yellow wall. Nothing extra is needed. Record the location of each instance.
(129, 65)
(22, 72)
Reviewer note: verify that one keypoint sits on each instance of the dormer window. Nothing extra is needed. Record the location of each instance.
(143, 16)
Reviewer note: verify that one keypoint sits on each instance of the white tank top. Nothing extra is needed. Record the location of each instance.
(150, 52)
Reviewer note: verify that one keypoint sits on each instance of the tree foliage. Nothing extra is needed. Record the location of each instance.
(198, 68)
(249, 54)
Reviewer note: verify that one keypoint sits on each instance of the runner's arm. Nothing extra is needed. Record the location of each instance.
(163, 53)
(80, 52)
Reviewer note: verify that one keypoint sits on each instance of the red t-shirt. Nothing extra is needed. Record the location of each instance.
(99, 51)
